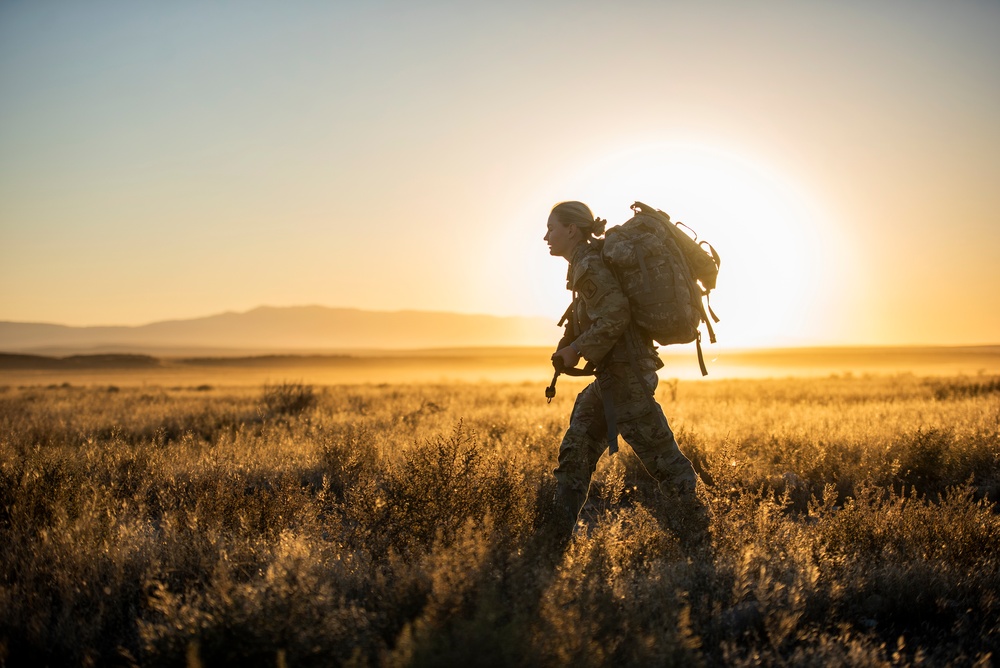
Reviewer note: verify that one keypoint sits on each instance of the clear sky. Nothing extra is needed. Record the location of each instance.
(177, 159)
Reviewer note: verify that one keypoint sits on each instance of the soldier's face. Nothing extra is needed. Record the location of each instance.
(562, 239)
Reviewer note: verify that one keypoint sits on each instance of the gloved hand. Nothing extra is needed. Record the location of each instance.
(566, 356)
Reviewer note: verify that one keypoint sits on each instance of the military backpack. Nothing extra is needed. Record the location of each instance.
(666, 274)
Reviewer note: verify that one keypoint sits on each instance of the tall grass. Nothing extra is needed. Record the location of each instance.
(853, 522)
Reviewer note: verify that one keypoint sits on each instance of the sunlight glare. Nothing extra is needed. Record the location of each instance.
(777, 248)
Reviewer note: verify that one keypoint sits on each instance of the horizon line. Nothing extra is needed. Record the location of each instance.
(682, 349)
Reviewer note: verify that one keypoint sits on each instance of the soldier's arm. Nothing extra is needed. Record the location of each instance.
(607, 308)
(569, 357)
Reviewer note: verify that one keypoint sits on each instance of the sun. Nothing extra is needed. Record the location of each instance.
(779, 250)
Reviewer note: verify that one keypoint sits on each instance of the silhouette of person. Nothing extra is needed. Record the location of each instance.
(621, 399)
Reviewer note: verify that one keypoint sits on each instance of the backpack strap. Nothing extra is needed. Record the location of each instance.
(701, 356)
(693, 234)
(708, 301)
(610, 417)
(711, 249)
(568, 314)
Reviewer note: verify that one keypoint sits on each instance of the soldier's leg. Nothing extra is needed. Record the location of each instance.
(685, 513)
(579, 452)
(653, 441)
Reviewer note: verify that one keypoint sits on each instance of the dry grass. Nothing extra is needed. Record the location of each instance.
(853, 523)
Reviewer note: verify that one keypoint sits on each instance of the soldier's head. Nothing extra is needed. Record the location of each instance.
(569, 225)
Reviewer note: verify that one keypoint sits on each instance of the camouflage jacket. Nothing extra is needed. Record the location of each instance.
(601, 322)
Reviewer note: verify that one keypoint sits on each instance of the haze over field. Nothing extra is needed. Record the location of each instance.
(165, 161)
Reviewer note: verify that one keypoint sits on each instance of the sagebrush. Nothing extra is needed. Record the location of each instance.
(854, 522)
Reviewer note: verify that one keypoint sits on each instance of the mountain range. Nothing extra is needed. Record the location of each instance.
(269, 329)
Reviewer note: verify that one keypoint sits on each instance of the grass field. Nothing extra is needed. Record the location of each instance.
(854, 522)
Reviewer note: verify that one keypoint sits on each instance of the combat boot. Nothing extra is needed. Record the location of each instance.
(687, 513)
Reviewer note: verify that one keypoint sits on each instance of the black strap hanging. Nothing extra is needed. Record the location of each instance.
(701, 356)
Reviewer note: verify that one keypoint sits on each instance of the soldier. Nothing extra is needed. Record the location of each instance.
(600, 330)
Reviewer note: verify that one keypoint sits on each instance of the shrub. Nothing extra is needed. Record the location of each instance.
(286, 399)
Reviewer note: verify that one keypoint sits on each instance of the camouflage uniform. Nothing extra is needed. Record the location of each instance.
(626, 363)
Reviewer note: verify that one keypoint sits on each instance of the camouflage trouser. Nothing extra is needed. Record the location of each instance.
(640, 422)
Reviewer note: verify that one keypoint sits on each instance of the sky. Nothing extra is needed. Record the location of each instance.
(174, 160)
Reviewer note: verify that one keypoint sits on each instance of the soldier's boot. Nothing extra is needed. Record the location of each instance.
(566, 504)
(687, 511)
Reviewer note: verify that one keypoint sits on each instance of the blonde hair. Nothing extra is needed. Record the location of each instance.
(580, 215)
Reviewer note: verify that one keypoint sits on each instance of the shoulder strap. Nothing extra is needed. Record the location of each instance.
(567, 314)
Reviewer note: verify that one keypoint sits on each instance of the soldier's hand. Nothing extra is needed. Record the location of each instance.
(567, 355)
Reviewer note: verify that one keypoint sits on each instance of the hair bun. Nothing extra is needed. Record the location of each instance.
(580, 215)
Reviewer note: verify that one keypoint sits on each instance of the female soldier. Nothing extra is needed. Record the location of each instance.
(602, 333)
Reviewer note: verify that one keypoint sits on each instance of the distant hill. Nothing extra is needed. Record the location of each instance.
(294, 328)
